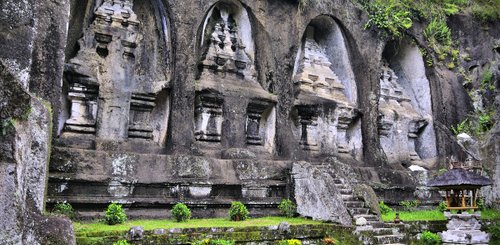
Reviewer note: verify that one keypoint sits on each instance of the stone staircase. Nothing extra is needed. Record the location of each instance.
(373, 231)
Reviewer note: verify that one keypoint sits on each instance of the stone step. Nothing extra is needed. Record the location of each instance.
(383, 231)
(395, 244)
(368, 217)
(354, 204)
(356, 211)
(347, 197)
(388, 239)
(345, 191)
(376, 224)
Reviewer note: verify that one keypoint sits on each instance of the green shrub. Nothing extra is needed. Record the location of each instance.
(388, 15)
(238, 211)
(287, 208)
(462, 127)
(480, 204)
(181, 212)
(290, 242)
(494, 230)
(214, 242)
(438, 31)
(115, 214)
(121, 242)
(384, 209)
(409, 205)
(486, 10)
(442, 206)
(65, 209)
(429, 238)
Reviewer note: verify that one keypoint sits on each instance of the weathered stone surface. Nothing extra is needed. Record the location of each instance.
(316, 194)
(464, 229)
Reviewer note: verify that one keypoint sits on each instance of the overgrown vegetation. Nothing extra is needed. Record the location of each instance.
(494, 230)
(442, 206)
(290, 242)
(238, 211)
(214, 242)
(384, 209)
(409, 205)
(429, 238)
(287, 208)
(115, 214)
(64, 208)
(391, 16)
(121, 242)
(181, 212)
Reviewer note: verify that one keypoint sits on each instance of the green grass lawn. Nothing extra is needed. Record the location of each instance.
(429, 215)
(194, 223)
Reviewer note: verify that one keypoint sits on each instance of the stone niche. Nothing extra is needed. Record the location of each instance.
(405, 122)
(117, 83)
(232, 109)
(325, 114)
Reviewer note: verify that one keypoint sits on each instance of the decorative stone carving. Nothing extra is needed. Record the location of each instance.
(464, 229)
(82, 94)
(208, 117)
(114, 31)
(226, 51)
(346, 115)
(315, 74)
(116, 18)
(141, 107)
(308, 123)
(255, 113)
(399, 123)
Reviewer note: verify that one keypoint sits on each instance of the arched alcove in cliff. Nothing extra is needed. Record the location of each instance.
(227, 81)
(406, 106)
(325, 114)
(117, 74)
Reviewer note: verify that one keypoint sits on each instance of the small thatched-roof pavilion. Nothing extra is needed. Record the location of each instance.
(461, 187)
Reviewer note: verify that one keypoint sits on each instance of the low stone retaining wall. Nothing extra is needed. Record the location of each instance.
(308, 234)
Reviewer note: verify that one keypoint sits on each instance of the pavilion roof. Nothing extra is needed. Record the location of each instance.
(459, 177)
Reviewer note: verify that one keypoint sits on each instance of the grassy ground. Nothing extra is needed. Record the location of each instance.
(194, 223)
(430, 215)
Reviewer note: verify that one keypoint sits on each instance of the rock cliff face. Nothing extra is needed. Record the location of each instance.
(207, 102)
(25, 120)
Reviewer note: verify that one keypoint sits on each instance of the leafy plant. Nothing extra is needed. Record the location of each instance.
(214, 242)
(462, 127)
(494, 230)
(238, 211)
(486, 10)
(410, 205)
(287, 208)
(480, 204)
(487, 81)
(429, 238)
(65, 209)
(121, 242)
(181, 212)
(290, 242)
(438, 31)
(115, 214)
(442, 206)
(390, 16)
(384, 209)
